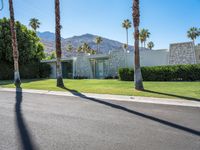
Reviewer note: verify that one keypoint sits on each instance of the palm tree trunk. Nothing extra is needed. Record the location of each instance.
(58, 45)
(127, 37)
(17, 80)
(136, 19)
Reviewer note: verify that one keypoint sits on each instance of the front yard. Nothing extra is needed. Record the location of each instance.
(186, 90)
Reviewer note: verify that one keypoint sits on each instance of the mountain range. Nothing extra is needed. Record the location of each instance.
(48, 39)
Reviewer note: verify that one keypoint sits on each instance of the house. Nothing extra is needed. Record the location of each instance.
(106, 65)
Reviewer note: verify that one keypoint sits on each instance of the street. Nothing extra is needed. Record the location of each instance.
(48, 122)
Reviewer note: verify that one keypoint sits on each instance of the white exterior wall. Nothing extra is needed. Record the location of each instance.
(150, 58)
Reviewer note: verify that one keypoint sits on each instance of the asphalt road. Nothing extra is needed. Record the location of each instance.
(45, 122)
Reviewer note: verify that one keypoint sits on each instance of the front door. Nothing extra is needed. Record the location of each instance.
(100, 69)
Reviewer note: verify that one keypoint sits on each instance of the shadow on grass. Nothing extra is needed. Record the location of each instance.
(152, 118)
(173, 95)
(23, 131)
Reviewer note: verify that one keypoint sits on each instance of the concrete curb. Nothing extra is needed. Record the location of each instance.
(162, 101)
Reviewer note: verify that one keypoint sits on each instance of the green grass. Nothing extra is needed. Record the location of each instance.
(186, 90)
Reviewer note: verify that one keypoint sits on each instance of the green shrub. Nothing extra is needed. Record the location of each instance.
(27, 71)
(44, 70)
(163, 73)
(6, 71)
(80, 77)
(126, 74)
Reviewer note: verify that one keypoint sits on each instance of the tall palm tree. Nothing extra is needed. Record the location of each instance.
(86, 48)
(144, 35)
(34, 23)
(150, 45)
(193, 33)
(17, 80)
(136, 20)
(141, 38)
(58, 45)
(126, 24)
(125, 46)
(98, 41)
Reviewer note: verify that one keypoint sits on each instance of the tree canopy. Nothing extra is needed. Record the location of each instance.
(30, 48)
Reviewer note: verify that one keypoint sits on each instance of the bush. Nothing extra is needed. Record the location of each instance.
(44, 70)
(111, 77)
(126, 74)
(80, 77)
(6, 71)
(164, 73)
(28, 71)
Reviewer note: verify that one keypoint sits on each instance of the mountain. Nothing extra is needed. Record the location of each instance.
(48, 38)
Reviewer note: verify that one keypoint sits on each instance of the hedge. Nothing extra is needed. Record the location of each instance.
(27, 71)
(163, 73)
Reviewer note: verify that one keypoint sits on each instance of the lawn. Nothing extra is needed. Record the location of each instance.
(186, 90)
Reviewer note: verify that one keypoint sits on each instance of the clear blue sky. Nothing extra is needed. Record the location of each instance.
(167, 20)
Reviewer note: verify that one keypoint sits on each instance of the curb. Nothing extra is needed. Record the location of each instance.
(137, 99)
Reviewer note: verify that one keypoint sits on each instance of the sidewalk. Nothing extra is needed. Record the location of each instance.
(163, 101)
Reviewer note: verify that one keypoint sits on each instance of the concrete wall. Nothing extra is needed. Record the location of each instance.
(197, 53)
(117, 59)
(83, 67)
(182, 53)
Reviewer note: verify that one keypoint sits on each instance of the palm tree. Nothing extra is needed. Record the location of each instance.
(58, 45)
(136, 20)
(34, 23)
(125, 46)
(86, 48)
(126, 24)
(79, 49)
(98, 41)
(144, 35)
(193, 33)
(69, 48)
(17, 80)
(141, 38)
(150, 45)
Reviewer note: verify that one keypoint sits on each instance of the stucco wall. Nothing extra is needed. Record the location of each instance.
(150, 58)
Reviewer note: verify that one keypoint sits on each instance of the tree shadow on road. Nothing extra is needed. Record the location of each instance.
(23, 131)
(173, 95)
(152, 118)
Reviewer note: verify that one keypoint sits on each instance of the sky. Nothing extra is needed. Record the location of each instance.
(167, 20)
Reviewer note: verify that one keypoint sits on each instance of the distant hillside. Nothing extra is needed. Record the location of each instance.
(48, 38)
